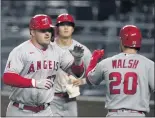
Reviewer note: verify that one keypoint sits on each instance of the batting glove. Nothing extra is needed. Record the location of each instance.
(42, 84)
(96, 56)
(77, 53)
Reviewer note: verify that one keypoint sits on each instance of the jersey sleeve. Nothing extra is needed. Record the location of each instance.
(95, 76)
(151, 76)
(15, 62)
(66, 60)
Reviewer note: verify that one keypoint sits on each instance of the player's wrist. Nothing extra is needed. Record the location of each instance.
(83, 81)
(78, 61)
(33, 82)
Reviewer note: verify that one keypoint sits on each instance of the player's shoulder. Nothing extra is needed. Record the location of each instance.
(54, 43)
(109, 59)
(21, 47)
(104, 62)
(145, 59)
(54, 47)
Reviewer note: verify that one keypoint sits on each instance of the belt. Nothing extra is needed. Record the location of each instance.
(132, 111)
(66, 96)
(32, 108)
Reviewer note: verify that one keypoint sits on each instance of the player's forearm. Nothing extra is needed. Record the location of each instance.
(89, 79)
(91, 66)
(16, 80)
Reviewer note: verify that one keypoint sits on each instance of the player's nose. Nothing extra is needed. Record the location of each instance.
(65, 27)
(47, 33)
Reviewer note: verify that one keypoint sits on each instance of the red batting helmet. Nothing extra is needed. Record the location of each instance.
(65, 18)
(131, 36)
(40, 21)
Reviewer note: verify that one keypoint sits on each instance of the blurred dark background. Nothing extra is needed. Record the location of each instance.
(97, 26)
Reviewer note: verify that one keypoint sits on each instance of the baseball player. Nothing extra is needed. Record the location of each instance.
(129, 76)
(64, 103)
(31, 70)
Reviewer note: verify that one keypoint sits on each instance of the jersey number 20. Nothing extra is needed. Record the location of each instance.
(117, 82)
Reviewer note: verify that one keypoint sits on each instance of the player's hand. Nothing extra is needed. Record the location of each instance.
(42, 84)
(75, 81)
(98, 54)
(77, 53)
(78, 82)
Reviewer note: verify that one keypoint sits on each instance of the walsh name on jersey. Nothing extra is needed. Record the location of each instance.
(45, 64)
(122, 63)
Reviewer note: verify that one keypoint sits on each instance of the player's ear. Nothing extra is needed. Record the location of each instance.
(72, 29)
(32, 32)
(121, 46)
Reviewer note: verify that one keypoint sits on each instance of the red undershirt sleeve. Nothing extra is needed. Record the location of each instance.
(16, 80)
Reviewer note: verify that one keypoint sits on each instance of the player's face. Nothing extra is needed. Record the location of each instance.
(65, 30)
(43, 37)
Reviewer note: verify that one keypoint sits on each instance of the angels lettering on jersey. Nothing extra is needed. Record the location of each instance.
(46, 64)
(40, 65)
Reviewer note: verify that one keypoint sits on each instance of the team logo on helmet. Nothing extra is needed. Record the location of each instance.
(45, 21)
(65, 17)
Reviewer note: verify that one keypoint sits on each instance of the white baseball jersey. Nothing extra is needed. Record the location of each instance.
(60, 82)
(31, 62)
(128, 79)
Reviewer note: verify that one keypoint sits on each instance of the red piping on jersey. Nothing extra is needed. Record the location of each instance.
(37, 46)
(16, 80)
(77, 69)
